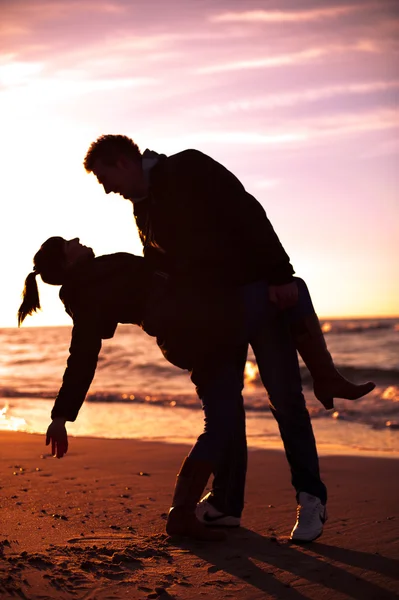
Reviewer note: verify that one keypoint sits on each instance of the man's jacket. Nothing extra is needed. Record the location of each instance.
(198, 222)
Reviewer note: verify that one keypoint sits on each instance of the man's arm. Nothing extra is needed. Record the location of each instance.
(219, 224)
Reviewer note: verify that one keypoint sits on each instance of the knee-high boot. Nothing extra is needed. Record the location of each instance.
(328, 383)
(190, 484)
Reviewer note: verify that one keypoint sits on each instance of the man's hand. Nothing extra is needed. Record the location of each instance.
(285, 296)
(57, 435)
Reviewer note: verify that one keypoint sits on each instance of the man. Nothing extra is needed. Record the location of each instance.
(198, 224)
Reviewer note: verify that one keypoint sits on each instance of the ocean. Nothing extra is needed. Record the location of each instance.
(137, 394)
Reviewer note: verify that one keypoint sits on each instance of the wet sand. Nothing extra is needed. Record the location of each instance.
(91, 526)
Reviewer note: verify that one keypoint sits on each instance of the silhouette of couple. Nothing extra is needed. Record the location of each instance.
(214, 278)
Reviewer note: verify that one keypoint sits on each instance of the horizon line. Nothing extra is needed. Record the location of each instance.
(321, 318)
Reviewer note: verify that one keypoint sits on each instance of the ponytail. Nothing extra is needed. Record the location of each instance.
(49, 262)
(30, 298)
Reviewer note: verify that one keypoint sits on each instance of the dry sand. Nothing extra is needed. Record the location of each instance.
(91, 526)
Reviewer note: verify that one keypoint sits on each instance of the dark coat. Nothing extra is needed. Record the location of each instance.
(99, 293)
(194, 328)
(199, 223)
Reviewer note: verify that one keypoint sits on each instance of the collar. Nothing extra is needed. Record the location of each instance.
(148, 162)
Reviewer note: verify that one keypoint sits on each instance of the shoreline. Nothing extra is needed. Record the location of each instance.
(334, 436)
(323, 449)
(91, 525)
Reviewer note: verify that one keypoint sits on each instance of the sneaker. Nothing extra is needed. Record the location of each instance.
(207, 514)
(311, 516)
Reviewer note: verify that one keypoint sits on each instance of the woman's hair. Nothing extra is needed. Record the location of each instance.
(49, 263)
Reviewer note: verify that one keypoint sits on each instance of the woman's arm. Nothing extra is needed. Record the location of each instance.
(81, 367)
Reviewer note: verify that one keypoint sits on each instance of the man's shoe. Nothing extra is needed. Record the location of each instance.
(207, 514)
(190, 484)
(311, 516)
(183, 523)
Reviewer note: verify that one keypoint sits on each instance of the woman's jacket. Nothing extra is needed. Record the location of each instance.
(194, 327)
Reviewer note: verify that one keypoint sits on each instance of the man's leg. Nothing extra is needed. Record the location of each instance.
(222, 404)
(278, 366)
(221, 398)
(279, 370)
(228, 486)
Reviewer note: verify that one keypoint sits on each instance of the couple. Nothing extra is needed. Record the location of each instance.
(214, 278)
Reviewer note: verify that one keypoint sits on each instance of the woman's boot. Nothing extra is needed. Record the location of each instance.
(328, 383)
(190, 484)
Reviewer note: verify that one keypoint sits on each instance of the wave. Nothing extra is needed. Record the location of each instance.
(254, 397)
(382, 377)
(339, 327)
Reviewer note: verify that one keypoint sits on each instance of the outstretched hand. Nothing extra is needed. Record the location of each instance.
(285, 296)
(57, 435)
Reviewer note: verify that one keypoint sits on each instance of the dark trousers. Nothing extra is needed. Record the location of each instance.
(223, 440)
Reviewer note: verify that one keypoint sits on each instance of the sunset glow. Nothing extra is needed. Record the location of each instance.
(298, 99)
(251, 372)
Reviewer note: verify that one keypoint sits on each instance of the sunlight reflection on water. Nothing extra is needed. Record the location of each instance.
(11, 423)
(173, 424)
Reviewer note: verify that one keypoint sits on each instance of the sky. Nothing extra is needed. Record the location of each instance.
(298, 98)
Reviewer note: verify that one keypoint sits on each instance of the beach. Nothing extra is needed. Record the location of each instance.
(92, 525)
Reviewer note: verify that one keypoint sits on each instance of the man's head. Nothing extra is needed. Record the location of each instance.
(116, 162)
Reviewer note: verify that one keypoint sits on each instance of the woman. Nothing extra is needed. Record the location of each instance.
(193, 328)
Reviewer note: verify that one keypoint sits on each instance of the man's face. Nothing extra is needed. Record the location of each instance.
(124, 178)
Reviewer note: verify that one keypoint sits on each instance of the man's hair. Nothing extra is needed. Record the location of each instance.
(108, 148)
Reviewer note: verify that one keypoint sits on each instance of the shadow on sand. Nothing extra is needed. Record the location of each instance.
(280, 568)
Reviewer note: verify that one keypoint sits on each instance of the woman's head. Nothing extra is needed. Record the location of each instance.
(49, 261)
(52, 262)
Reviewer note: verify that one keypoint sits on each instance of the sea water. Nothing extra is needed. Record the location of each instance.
(137, 394)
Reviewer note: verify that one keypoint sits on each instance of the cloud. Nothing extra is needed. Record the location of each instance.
(339, 125)
(6, 58)
(246, 138)
(16, 73)
(271, 61)
(47, 10)
(48, 93)
(10, 30)
(383, 149)
(266, 184)
(294, 133)
(280, 16)
(285, 60)
(272, 101)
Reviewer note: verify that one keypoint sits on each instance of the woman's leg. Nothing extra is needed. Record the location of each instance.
(309, 340)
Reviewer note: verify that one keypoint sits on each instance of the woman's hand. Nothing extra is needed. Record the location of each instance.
(57, 435)
(285, 296)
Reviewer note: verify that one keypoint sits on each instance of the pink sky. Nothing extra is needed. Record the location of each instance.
(298, 98)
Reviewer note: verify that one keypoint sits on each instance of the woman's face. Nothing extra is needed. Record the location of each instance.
(75, 251)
